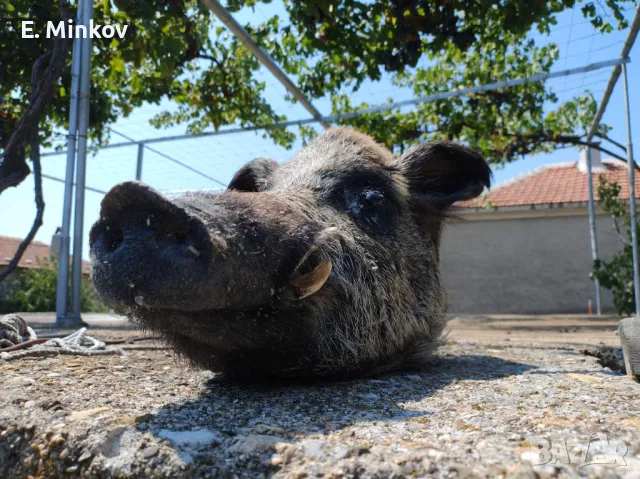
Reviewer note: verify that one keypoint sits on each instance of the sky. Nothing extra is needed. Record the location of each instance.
(220, 157)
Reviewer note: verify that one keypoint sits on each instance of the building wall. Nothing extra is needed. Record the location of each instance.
(524, 265)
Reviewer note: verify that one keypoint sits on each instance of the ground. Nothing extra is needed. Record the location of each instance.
(507, 396)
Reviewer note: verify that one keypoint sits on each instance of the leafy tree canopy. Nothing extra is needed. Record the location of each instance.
(176, 50)
(435, 47)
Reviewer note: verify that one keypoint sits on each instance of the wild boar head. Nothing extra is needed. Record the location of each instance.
(324, 265)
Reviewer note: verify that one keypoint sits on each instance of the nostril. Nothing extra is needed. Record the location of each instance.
(113, 237)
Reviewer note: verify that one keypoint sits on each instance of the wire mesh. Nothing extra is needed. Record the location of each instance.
(208, 162)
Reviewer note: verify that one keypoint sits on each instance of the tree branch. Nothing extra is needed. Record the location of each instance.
(616, 225)
(613, 142)
(571, 140)
(596, 146)
(13, 168)
(37, 175)
(27, 126)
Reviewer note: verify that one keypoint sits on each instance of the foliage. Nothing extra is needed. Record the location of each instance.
(177, 50)
(503, 124)
(617, 274)
(34, 290)
(434, 47)
(329, 43)
(167, 53)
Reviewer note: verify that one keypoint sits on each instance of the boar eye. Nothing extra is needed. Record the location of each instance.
(370, 209)
(372, 196)
(365, 202)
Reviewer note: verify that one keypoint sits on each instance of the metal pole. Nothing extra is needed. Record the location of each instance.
(139, 163)
(264, 58)
(62, 292)
(615, 74)
(373, 109)
(632, 193)
(592, 226)
(83, 124)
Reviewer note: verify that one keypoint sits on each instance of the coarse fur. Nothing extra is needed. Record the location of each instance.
(343, 200)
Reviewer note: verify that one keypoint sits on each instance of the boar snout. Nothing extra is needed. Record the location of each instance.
(150, 252)
(146, 249)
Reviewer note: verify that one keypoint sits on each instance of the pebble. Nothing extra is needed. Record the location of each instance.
(372, 396)
(268, 429)
(435, 454)
(313, 447)
(56, 441)
(254, 444)
(341, 453)
(21, 380)
(85, 456)
(84, 414)
(149, 452)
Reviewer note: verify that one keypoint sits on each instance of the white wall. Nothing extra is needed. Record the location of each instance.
(527, 265)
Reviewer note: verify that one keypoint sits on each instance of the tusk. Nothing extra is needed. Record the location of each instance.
(320, 240)
(310, 283)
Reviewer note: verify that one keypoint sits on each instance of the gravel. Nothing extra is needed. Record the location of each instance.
(479, 411)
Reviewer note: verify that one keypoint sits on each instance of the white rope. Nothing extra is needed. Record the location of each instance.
(15, 330)
(79, 342)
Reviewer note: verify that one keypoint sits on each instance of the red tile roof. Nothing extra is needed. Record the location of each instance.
(35, 254)
(562, 183)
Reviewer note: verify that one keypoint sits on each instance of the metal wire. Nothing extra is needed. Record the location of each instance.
(164, 155)
(60, 180)
(573, 12)
(375, 109)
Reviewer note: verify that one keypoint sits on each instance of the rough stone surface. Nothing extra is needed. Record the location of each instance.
(479, 411)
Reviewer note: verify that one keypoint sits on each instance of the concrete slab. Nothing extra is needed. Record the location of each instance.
(523, 404)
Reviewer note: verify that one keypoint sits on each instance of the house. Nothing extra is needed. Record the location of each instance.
(525, 246)
(34, 257)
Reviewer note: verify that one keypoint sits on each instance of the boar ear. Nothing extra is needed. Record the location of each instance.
(442, 173)
(253, 176)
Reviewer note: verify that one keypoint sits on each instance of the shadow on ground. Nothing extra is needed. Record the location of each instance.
(232, 407)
